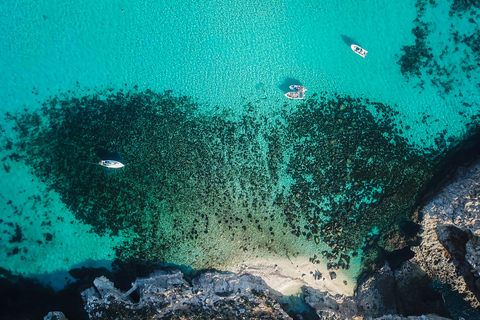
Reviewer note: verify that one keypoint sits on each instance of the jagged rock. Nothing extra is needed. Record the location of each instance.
(375, 296)
(169, 295)
(327, 306)
(395, 241)
(414, 293)
(450, 246)
(216, 295)
(401, 291)
(104, 286)
(55, 315)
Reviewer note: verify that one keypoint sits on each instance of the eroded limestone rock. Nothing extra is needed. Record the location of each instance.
(450, 246)
(169, 295)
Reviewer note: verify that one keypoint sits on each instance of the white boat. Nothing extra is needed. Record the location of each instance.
(359, 50)
(297, 93)
(111, 164)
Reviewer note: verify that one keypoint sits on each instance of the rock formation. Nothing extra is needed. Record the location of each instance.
(403, 291)
(215, 295)
(168, 295)
(450, 246)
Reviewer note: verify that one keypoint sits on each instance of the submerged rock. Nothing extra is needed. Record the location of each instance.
(211, 178)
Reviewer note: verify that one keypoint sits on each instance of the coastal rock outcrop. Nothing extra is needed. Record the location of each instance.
(328, 306)
(166, 294)
(450, 247)
(216, 295)
(402, 291)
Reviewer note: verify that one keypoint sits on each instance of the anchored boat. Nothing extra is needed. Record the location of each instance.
(297, 93)
(359, 50)
(111, 164)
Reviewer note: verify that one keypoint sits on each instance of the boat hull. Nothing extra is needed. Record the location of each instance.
(359, 50)
(111, 164)
(297, 93)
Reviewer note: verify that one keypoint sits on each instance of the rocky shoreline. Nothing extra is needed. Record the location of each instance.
(450, 248)
(216, 295)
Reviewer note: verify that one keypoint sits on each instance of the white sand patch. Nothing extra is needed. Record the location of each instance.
(287, 276)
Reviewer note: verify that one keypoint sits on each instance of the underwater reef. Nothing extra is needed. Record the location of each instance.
(447, 54)
(206, 190)
(353, 165)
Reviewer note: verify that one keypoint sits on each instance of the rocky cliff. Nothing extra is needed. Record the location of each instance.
(450, 235)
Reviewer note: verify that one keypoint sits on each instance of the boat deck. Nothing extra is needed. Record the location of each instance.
(297, 93)
(359, 50)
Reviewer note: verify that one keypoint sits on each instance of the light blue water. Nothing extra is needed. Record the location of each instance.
(221, 53)
(218, 52)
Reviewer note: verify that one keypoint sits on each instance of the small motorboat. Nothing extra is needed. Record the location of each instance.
(111, 164)
(297, 93)
(359, 50)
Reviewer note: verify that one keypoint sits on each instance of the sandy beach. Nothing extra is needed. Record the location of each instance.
(287, 276)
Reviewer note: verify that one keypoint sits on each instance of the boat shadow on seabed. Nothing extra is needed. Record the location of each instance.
(285, 86)
(348, 41)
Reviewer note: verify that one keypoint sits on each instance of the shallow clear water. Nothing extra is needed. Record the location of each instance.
(225, 56)
(221, 53)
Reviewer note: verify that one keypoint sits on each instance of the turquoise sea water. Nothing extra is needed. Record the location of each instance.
(260, 156)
